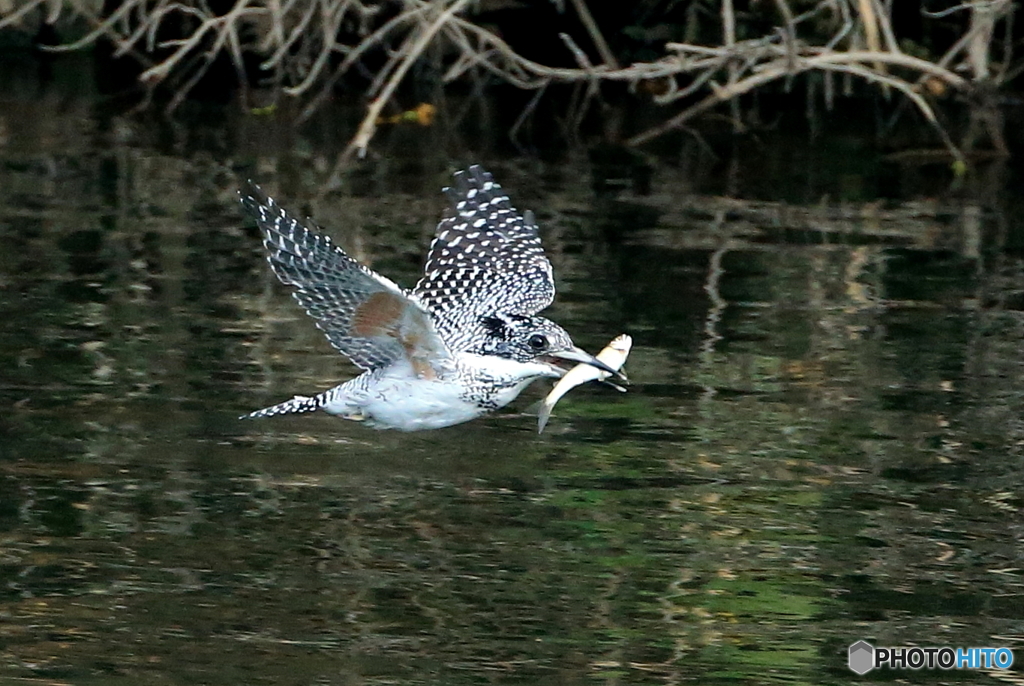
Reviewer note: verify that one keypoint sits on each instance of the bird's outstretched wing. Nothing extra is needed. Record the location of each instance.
(485, 258)
(366, 316)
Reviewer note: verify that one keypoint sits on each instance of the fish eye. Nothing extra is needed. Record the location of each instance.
(537, 341)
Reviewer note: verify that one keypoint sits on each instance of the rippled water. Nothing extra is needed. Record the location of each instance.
(821, 443)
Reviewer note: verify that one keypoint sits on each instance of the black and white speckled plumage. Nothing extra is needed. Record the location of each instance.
(465, 341)
(486, 258)
(331, 286)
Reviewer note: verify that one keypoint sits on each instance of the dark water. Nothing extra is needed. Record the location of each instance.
(822, 441)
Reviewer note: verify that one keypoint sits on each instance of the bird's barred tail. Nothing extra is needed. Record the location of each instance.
(299, 403)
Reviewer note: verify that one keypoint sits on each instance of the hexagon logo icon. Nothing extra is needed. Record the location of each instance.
(861, 657)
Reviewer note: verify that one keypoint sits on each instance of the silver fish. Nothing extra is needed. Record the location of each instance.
(614, 355)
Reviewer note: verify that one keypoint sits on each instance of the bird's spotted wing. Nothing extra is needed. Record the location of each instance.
(485, 258)
(365, 316)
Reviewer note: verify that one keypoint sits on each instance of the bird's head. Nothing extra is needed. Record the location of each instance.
(535, 339)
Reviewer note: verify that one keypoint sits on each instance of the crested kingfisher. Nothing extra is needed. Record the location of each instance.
(465, 341)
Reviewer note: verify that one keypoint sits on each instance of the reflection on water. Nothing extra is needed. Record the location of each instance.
(821, 443)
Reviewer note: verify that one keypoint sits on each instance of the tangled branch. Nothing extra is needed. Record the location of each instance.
(307, 46)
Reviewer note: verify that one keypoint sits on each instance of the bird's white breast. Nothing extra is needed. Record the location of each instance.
(414, 405)
(399, 399)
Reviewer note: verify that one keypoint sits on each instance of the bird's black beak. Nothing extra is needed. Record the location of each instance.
(581, 355)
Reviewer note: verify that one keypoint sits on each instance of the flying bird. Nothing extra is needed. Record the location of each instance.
(465, 341)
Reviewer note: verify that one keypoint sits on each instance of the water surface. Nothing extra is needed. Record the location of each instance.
(821, 442)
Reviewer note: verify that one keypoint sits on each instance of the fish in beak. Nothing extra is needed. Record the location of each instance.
(590, 369)
(582, 356)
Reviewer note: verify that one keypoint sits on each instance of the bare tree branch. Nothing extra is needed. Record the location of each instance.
(300, 41)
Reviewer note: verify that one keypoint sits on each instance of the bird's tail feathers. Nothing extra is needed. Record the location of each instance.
(300, 403)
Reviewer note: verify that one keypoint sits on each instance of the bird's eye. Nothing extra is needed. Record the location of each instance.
(538, 341)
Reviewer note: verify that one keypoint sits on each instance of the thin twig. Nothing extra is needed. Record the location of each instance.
(729, 35)
(14, 17)
(513, 133)
(789, 31)
(595, 34)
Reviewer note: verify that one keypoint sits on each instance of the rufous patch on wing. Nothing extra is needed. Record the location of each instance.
(423, 369)
(378, 316)
(412, 343)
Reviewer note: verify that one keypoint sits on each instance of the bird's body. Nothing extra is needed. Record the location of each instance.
(394, 397)
(464, 342)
